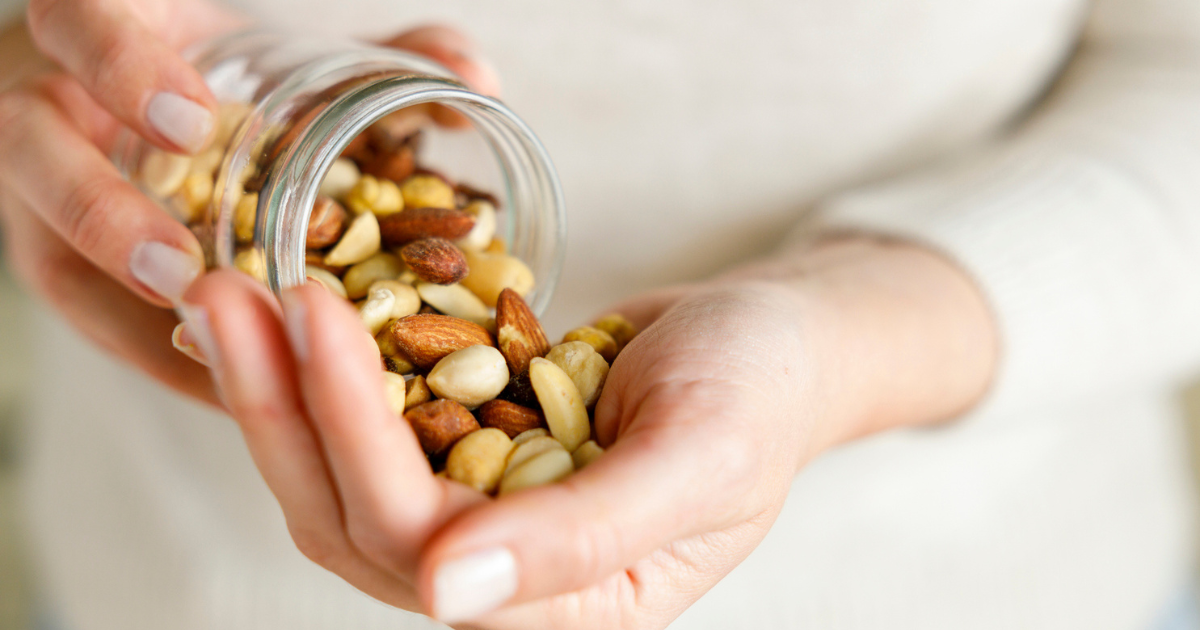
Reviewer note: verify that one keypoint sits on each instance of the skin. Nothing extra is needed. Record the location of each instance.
(760, 369)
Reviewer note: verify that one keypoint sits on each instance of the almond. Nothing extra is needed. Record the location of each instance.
(439, 424)
(427, 338)
(510, 417)
(414, 224)
(519, 334)
(435, 260)
(395, 165)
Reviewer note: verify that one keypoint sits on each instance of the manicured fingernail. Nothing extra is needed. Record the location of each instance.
(185, 342)
(184, 122)
(473, 585)
(295, 316)
(197, 332)
(164, 269)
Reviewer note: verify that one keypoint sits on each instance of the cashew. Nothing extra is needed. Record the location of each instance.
(427, 191)
(454, 300)
(359, 278)
(471, 376)
(340, 178)
(560, 400)
(162, 173)
(481, 234)
(359, 243)
(376, 310)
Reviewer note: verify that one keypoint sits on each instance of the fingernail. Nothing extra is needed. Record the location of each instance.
(164, 269)
(184, 122)
(184, 342)
(473, 585)
(295, 316)
(199, 332)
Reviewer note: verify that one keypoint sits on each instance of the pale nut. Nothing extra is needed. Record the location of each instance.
(380, 197)
(601, 341)
(529, 449)
(162, 173)
(325, 279)
(408, 302)
(620, 329)
(489, 274)
(394, 389)
(427, 191)
(396, 364)
(192, 197)
(376, 310)
(359, 243)
(478, 459)
(207, 162)
(586, 454)
(484, 229)
(454, 300)
(358, 199)
(389, 201)
(549, 467)
(497, 246)
(339, 179)
(361, 277)
(565, 412)
(470, 377)
(245, 215)
(529, 435)
(250, 262)
(587, 369)
(417, 393)
(230, 116)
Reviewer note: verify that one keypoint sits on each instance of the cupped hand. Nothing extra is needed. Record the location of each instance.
(102, 254)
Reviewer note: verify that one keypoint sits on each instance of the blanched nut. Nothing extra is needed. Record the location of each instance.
(394, 389)
(549, 467)
(230, 116)
(497, 246)
(250, 262)
(339, 179)
(407, 300)
(529, 449)
(207, 163)
(326, 279)
(396, 364)
(492, 273)
(454, 300)
(427, 191)
(376, 310)
(478, 459)
(192, 197)
(161, 173)
(380, 197)
(586, 454)
(359, 243)
(245, 215)
(561, 403)
(360, 277)
(584, 365)
(418, 393)
(484, 229)
(529, 435)
(601, 341)
(620, 329)
(471, 376)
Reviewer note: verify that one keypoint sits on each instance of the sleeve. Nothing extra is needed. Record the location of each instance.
(1081, 225)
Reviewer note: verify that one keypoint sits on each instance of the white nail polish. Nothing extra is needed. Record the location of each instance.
(473, 585)
(188, 349)
(200, 329)
(164, 269)
(184, 122)
(295, 317)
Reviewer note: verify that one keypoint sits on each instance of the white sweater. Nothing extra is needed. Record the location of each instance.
(690, 136)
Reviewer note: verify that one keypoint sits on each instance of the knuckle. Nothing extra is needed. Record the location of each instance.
(85, 212)
(103, 71)
(374, 542)
(316, 546)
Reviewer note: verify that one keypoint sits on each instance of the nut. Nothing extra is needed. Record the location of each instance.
(484, 229)
(468, 193)
(440, 423)
(586, 454)
(417, 393)
(317, 259)
(361, 277)
(471, 376)
(339, 179)
(529, 449)
(250, 261)
(380, 197)
(394, 165)
(427, 338)
(454, 300)
(394, 389)
(415, 224)
(162, 173)
(529, 435)
(510, 417)
(584, 365)
(407, 300)
(326, 223)
(230, 116)
(245, 215)
(519, 335)
(478, 459)
(596, 338)
(192, 197)
(497, 246)
(396, 364)
(427, 191)
(620, 329)
(549, 467)
(376, 310)
(359, 243)
(207, 162)
(435, 260)
(325, 279)
(560, 400)
(492, 273)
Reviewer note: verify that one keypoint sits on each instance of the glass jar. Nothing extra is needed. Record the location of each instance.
(291, 106)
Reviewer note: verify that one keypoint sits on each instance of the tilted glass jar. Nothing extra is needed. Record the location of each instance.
(291, 105)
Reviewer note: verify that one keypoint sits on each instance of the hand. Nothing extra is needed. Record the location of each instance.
(103, 255)
(706, 415)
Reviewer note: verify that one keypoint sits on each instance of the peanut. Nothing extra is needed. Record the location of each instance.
(427, 191)
(484, 229)
(560, 400)
(529, 449)
(529, 435)
(380, 197)
(549, 467)
(471, 376)
(478, 459)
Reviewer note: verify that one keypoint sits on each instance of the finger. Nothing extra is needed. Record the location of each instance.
(391, 500)
(103, 310)
(129, 69)
(460, 55)
(53, 169)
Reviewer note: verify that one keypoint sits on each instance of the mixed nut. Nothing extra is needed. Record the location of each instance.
(465, 361)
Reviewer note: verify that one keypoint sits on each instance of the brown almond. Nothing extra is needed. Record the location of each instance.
(510, 417)
(439, 424)
(435, 260)
(326, 224)
(359, 149)
(417, 223)
(395, 165)
(427, 338)
(518, 333)
(469, 193)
